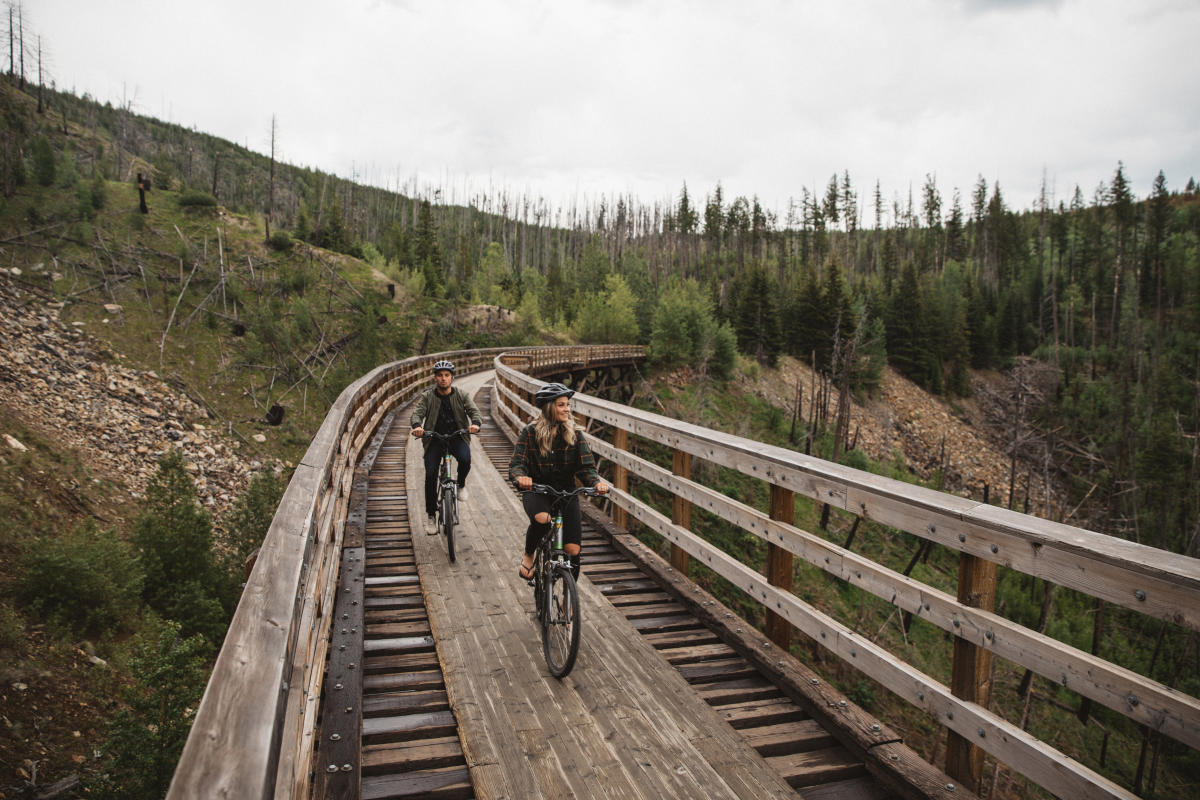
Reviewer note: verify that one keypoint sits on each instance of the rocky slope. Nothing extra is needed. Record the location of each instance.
(66, 385)
(970, 438)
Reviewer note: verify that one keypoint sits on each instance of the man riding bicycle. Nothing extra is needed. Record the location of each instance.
(551, 450)
(444, 409)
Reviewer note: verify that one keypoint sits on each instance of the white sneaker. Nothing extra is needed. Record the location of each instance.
(462, 495)
(431, 525)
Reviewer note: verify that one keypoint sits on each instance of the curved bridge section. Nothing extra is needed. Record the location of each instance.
(254, 731)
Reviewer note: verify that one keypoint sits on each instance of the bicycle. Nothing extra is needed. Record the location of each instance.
(554, 591)
(447, 499)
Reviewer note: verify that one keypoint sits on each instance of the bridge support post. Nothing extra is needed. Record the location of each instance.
(620, 478)
(970, 677)
(779, 565)
(681, 511)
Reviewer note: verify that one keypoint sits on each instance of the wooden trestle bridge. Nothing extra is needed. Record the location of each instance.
(362, 663)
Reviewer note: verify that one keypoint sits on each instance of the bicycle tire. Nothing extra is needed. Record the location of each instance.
(562, 623)
(448, 516)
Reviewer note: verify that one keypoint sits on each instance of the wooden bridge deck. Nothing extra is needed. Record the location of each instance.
(670, 713)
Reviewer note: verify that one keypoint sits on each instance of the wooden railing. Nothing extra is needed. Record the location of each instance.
(252, 736)
(1156, 583)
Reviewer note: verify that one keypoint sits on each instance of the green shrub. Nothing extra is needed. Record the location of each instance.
(280, 241)
(174, 535)
(89, 580)
(247, 522)
(43, 161)
(146, 737)
(195, 199)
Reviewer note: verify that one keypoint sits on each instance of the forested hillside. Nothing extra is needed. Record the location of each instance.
(252, 284)
(1103, 284)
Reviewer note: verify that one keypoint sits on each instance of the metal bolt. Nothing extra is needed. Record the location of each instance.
(347, 767)
(950, 786)
(351, 665)
(982, 733)
(875, 727)
(349, 709)
(988, 636)
(853, 653)
(933, 528)
(331, 768)
(335, 737)
(1133, 700)
(962, 537)
(995, 548)
(949, 715)
(920, 695)
(842, 703)
(814, 681)
(341, 647)
(957, 623)
(894, 757)
(1139, 594)
(337, 686)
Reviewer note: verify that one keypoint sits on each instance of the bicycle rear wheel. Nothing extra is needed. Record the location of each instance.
(561, 625)
(448, 516)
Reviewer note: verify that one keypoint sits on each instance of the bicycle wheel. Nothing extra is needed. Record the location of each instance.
(448, 516)
(560, 630)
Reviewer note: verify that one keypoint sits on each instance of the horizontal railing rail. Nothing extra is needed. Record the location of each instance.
(253, 732)
(1157, 583)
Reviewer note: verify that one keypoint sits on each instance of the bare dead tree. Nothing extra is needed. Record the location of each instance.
(271, 187)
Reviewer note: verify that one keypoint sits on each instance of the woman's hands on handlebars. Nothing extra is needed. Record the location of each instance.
(525, 483)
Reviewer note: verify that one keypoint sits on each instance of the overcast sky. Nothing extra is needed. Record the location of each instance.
(570, 100)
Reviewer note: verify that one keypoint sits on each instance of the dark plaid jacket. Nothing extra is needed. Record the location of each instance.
(559, 468)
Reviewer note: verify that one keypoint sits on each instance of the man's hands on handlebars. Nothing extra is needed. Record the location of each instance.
(418, 431)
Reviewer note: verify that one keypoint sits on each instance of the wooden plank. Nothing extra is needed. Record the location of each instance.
(971, 670)
(1048, 767)
(779, 564)
(1156, 706)
(817, 766)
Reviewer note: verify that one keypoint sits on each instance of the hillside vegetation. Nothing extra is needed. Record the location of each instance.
(222, 321)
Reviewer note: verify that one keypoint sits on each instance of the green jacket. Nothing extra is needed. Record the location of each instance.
(425, 414)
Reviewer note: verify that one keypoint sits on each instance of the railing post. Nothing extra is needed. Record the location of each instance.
(779, 565)
(620, 478)
(970, 676)
(681, 510)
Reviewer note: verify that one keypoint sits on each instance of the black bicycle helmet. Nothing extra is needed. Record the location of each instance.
(444, 365)
(549, 392)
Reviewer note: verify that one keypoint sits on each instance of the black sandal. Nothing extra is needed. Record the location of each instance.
(522, 569)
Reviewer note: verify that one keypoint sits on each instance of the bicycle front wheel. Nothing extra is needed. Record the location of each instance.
(448, 516)
(561, 624)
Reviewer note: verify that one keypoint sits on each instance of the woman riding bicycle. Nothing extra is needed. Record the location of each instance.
(551, 450)
(444, 409)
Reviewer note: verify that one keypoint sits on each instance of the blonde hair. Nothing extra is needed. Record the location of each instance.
(546, 427)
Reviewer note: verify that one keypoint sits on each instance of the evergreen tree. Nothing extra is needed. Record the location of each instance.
(756, 322)
(426, 251)
(44, 165)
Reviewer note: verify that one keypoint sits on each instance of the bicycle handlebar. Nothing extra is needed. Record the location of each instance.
(437, 435)
(542, 488)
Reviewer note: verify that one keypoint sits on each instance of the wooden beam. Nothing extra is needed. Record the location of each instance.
(620, 477)
(970, 676)
(779, 564)
(681, 510)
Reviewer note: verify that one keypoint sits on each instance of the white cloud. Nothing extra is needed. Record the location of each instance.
(566, 98)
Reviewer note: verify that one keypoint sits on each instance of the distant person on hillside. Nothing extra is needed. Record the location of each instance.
(444, 409)
(551, 450)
